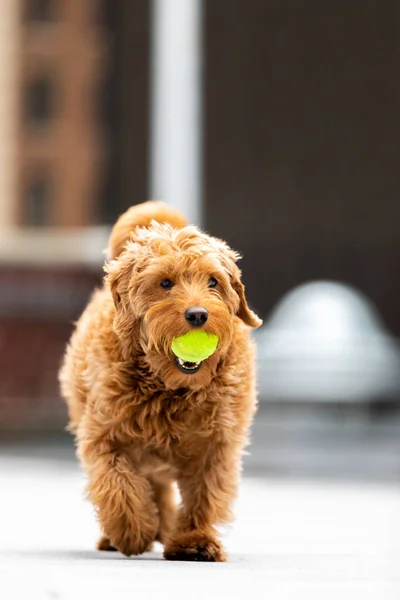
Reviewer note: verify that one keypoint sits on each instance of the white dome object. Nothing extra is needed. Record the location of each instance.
(325, 341)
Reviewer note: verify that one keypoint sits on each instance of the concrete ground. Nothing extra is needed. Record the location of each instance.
(292, 539)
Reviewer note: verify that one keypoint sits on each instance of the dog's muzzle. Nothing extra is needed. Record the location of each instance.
(187, 367)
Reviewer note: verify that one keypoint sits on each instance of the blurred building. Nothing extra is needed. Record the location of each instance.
(301, 144)
(53, 56)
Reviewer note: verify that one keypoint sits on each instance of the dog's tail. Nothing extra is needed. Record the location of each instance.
(141, 215)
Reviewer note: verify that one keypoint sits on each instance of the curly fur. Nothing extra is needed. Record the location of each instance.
(140, 423)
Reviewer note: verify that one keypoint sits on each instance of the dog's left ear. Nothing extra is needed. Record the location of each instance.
(229, 259)
(248, 316)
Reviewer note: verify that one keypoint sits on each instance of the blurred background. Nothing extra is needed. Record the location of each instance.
(282, 138)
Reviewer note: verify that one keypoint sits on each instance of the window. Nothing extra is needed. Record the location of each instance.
(40, 10)
(39, 102)
(37, 203)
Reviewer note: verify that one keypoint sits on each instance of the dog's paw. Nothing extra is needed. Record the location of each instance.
(104, 544)
(195, 546)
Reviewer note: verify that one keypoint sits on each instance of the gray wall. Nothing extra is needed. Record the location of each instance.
(301, 143)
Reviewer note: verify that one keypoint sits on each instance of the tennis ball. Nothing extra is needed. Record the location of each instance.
(194, 346)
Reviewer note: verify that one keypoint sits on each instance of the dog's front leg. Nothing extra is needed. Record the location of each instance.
(208, 484)
(124, 499)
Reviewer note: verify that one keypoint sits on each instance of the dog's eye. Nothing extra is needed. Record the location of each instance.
(212, 282)
(166, 284)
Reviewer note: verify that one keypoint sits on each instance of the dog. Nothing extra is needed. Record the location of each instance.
(144, 420)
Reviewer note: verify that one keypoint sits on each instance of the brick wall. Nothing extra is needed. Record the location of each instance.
(37, 311)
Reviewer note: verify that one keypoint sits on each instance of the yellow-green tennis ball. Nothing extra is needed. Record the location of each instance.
(194, 346)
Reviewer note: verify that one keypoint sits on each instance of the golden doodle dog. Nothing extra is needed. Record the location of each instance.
(144, 419)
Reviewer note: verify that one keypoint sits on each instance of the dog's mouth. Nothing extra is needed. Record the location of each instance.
(187, 367)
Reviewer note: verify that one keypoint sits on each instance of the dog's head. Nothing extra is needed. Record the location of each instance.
(167, 282)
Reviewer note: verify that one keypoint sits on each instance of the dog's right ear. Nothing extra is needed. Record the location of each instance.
(125, 323)
(113, 280)
(115, 292)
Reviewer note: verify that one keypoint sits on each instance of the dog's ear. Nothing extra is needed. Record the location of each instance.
(125, 323)
(244, 312)
(113, 280)
(230, 258)
(118, 274)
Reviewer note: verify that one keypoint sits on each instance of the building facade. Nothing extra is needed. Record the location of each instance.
(53, 60)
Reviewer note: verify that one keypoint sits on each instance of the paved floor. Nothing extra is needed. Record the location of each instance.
(292, 539)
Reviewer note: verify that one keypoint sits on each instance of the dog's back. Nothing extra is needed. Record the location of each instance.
(141, 215)
(75, 376)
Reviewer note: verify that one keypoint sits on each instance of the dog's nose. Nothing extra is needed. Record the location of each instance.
(196, 315)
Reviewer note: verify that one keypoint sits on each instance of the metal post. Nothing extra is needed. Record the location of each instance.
(176, 119)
